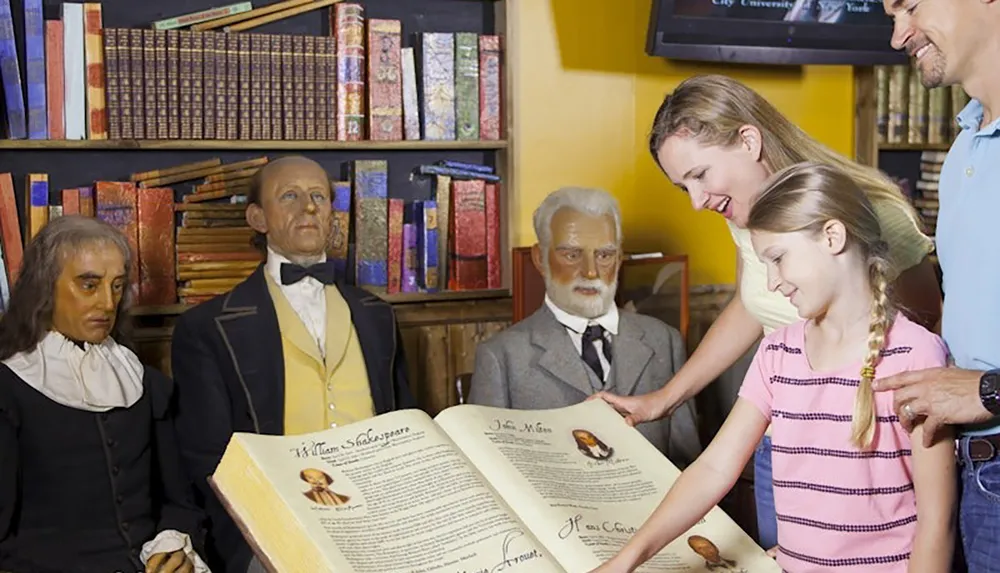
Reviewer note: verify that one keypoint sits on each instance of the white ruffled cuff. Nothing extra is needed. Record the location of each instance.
(168, 541)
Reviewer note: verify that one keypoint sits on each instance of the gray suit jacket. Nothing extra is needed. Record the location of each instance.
(533, 365)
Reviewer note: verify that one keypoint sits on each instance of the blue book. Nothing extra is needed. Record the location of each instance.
(34, 48)
(427, 247)
(10, 75)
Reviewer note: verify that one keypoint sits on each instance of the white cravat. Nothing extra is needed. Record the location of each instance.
(575, 325)
(307, 297)
(95, 378)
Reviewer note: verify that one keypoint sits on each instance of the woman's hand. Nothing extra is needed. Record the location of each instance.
(638, 409)
(175, 562)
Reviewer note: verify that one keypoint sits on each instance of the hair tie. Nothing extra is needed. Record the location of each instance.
(868, 372)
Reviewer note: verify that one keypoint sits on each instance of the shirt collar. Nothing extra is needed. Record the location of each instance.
(578, 324)
(273, 266)
(972, 115)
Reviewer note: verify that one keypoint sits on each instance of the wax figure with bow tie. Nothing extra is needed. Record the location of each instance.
(578, 342)
(90, 476)
(290, 350)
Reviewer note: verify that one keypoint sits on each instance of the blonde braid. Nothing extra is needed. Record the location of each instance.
(863, 422)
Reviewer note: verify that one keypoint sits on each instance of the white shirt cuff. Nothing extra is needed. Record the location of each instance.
(168, 541)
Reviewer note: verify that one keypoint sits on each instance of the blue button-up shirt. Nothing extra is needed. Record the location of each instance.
(968, 246)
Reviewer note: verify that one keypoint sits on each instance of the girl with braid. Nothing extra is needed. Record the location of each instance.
(853, 490)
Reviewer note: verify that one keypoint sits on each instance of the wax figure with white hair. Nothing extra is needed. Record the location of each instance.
(578, 343)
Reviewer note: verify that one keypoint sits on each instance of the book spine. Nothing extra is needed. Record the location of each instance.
(173, 84)
(350, 27)
(287, 88)
(10, 227)
(157, 282)
(331, 94)
(469, 254)
(899, 82)
(75, 66)
(299, 86)
(116, 204)
(427, 247)
(385, 88)
(221, 92)
(309, 87)
(97, 113)
(277, 81)
(411, 102)
(87, 206)
(322, 87)
(408, 282)
(34, 59)
(139, 90)
(10, 75)
(882, 103)
(494, 279)
(185, 73)
(112, 83)
(917, 126)
(197, 85)
(442, 196)
(341, 226)
(257, 77)
(209, 83)
(370, 225)
(438, 71)
(456, 173)
(490, 88)
(395, 247)
(54, 78)
(202, 16)
(38, 203)
(244, 125)
(232, 53)
(161, 73)
(467, 85)
(71, 201)
(263, 55)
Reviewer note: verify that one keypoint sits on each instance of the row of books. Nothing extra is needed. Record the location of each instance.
(925, 193)
(199, 247)
(200, 84)
(907, 112)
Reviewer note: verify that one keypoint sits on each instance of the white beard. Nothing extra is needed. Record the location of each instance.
(565, 297)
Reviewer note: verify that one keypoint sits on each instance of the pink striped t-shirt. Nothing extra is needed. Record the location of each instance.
(839, 508)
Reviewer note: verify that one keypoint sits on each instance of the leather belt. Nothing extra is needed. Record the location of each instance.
(984, 448)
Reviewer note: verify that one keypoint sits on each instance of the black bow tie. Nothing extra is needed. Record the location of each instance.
(323, 272)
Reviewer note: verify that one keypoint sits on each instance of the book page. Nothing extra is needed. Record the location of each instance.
(583, 482)
(393, 493)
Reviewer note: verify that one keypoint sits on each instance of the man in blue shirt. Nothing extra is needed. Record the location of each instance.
(956, 42)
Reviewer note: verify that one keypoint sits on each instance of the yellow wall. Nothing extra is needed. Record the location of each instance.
(586, 93)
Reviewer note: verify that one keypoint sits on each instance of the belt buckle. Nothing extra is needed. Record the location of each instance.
(981, 450)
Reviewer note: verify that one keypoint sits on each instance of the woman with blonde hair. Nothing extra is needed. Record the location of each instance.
(855, 488)
(719, 140)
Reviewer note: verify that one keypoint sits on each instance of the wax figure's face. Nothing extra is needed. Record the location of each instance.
(720, 179)
(706, 549)
(803, 266)
(939, 34)
(581, 263)
(315, 478)
(87, 292)
(294, 210)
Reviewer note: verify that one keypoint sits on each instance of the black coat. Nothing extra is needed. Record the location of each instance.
(229, 366)
(80, 492)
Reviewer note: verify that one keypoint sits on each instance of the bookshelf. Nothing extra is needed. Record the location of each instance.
(77, 163)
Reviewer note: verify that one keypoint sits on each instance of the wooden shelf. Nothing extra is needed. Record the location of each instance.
(219, 144)
(914, 146)
(401, 298)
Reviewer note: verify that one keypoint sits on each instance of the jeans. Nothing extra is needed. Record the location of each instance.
(763, 490)
(979, 511)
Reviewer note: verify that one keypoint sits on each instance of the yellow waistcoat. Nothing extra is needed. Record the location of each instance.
(322, 393)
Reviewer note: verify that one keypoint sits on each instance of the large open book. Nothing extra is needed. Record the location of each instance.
(473, 490)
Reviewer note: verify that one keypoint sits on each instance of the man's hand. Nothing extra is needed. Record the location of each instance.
(935, 397)
(176, 562)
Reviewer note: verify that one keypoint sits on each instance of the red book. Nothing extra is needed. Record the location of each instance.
(10, 228)
(395, 257)
(71, 201)
(468, 251)
(493, 277)
(54, 79)
(157, 280)
(116, 203)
